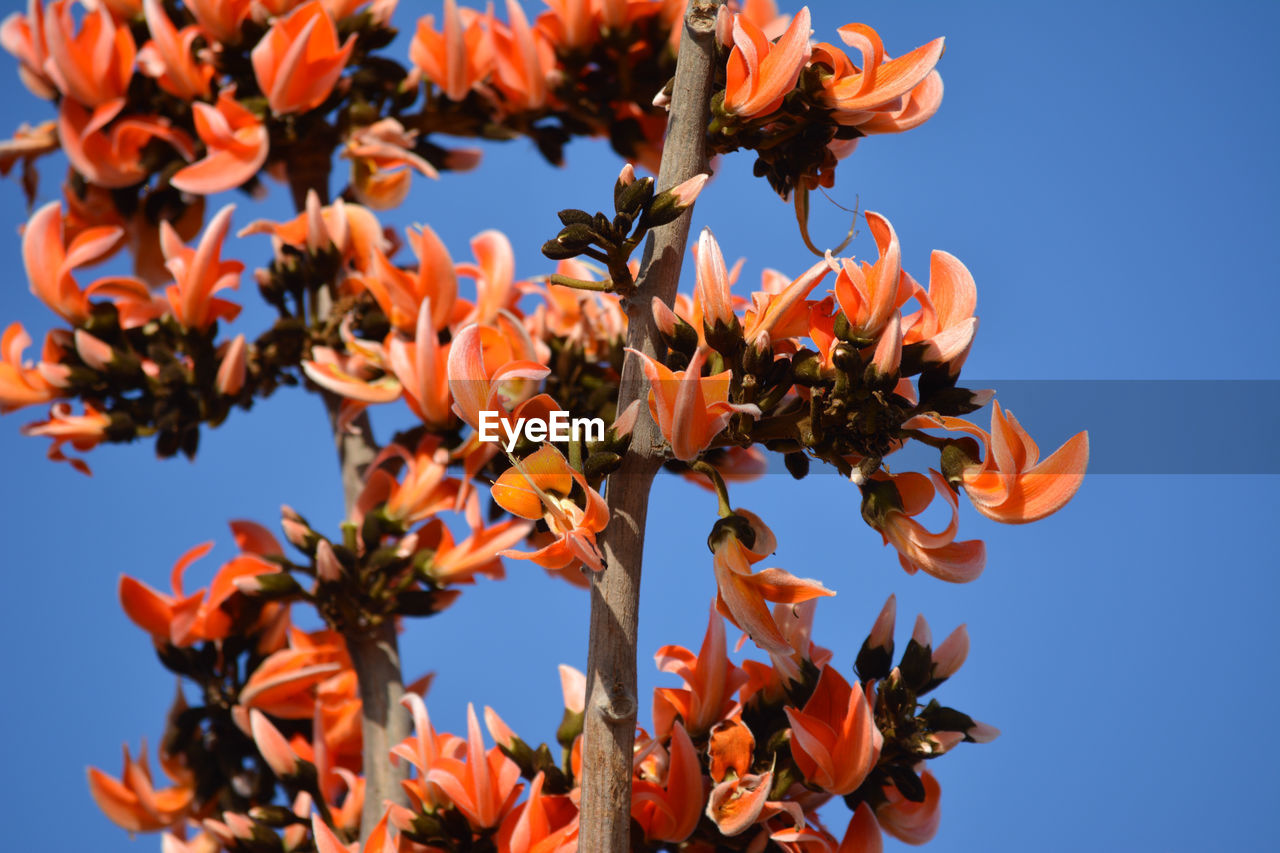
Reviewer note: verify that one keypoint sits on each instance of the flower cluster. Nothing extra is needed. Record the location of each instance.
(161, 103)
(739, 754)
(802, 106)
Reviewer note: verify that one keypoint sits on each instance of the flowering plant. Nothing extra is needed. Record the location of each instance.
(305, 740)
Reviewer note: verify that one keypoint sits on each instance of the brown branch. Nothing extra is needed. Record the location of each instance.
(375, 652)
(609, 730)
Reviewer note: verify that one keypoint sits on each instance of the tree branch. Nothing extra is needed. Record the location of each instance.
(375, 651)
(609, 727)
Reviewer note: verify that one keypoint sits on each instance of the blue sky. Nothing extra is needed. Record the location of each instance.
(1106, 172)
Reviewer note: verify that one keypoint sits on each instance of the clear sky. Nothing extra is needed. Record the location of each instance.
(1107, 172)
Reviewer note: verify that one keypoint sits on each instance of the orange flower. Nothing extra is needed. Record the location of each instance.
(23, 36)
(220, 19)
(543, 823)
(287, 682)
(456, 59)
(20, 383)
(690, 409)
(349, 229)
(400, 293)
(113, 158)
(540, 488)
(381, 157)
(737, 803)
(912, 823)
(426, 489)
(668, 809)
(869, 294)
(423, 749)
(49, 261)
(495, 275)
(92, 67)
(795, 623)
(834, 740)
(199, 273)
(236, 146)
(183, 619)
(913, 109)
(945, 323)
(483, 376)
(593, 322)
(569, 23)
(856, 95)
(523, 60)
(298, 61)
(421, 367)
(730, 749)
(781, 309)
(83, 432)
(1012, 484)
(327, 842)
(760, 73)
(710, 682)
(478, 554)
(168, 56)
(133, 803)
(889, 504)
(742, 595)
(485, 786)
(863, 833)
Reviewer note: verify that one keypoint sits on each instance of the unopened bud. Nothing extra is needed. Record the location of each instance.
(502, 734)
(940, 742)
(296, 529)
(920, 633)
(271, 586)
(94, 352)
(231, 372)
(631, 198)
(982, 733)
(273, 816)
(881, 636)
(240, 826)
(951, 654)
(275, 750)
(668, 205)
(328, 568)
(462, 159)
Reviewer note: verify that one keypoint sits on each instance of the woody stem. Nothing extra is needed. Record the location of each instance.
(609, 725)
(374, 649)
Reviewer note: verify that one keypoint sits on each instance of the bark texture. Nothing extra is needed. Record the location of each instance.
(609, 727)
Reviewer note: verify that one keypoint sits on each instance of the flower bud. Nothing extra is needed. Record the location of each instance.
(275, 750)
(272, 586)
(328, 568)
(231, 372)
(668, 205)
(951, 654)
(982, 733)
(92, 351)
